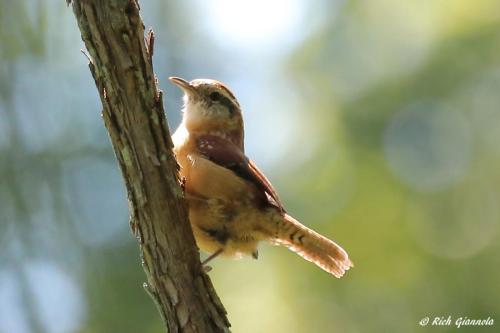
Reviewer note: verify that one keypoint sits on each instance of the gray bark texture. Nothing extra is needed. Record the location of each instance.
(121, 64)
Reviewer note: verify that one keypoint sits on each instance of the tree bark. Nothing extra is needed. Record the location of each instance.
(121, 64)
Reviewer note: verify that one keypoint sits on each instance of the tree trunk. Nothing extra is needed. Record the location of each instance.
(121, 64)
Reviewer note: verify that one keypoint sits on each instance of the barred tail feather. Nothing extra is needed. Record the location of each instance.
(312, 246)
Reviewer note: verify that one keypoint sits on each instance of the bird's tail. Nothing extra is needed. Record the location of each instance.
(312, 246)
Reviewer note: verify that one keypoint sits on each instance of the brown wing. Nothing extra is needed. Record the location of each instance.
(226, 154)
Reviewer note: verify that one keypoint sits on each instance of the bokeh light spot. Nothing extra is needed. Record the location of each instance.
(428, 147)
(59, 301)
(456, 225)
(102, 214)
(12, 317)
(251, 23)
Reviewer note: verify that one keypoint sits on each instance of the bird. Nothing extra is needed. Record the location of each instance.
(232, 206)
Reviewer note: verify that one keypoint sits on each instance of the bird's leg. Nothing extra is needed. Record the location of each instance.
(212, 256)
(204, 263)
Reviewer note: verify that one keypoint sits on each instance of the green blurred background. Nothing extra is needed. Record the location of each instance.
(377, 121)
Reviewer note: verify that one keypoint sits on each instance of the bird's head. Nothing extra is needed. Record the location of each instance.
(210, 107)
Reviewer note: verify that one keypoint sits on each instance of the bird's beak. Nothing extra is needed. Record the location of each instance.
(183, 84)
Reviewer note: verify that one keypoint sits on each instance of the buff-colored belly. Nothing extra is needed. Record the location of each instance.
(221, 208)
(235, 228)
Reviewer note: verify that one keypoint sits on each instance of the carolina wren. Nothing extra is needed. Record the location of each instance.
(232, 205)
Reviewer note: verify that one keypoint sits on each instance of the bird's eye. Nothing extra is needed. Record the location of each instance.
(215, 96)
